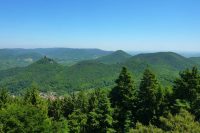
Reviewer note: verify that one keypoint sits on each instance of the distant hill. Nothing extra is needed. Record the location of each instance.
(41, 72)
(91, 74)
(162, 58)
(115, 57)
(10, 58)
(195, 59)
(165, 64)
(70, 55)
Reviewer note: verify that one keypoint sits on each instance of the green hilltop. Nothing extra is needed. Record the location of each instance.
(114, 58)
(10, 58)
(91, 74)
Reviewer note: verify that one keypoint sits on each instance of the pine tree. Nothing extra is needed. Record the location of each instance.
(105, 112)
(100, 115)
(187, 87)
(82, 101)
(93, 123)
(187, 92)
(77, 122)
(123, 98)
(148, 97)
(128, 122)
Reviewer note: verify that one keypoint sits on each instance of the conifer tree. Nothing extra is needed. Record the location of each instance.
(187, 92)
(100, 115)
(82, 101)
(77, 122)
(123, 98)
(148, 97)
(128, 122)
(187, 87)
(93, 118)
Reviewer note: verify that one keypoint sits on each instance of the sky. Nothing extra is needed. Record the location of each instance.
(133, 25)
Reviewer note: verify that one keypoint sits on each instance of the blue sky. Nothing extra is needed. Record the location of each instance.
(134, 25)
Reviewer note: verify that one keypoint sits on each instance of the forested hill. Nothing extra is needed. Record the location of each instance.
(124, 108)
(195, 59)
(52, 76)
(114, 58)
(10, 58)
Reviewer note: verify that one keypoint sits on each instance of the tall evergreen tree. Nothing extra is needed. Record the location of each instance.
(187, 92)
(148, 97)
(187, 87)
(93, 117)
(100, 115)
(75, 109)
(77, 122)
(82, 101)
(122, 98)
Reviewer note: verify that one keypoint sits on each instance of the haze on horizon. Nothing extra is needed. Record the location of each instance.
(172, 25)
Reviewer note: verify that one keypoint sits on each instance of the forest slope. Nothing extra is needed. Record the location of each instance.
(91, 74)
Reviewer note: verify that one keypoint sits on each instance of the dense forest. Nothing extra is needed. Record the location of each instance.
(88, 71)
(18, 57)
(148, 107)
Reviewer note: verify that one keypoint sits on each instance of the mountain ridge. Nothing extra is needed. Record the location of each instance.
(118, 56)
(92, 73)
(10, 58)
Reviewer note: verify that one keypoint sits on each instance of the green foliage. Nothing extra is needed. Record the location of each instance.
(55, 109)
(123, 94)
(32, 96)
(4, 97)
(22, 119)
(145, 129)
(11, 58)
(181, 104)
(187, 86)
(149, 97)
(114, 58)
(195, 59)
(60, 126)
(187, 92)
(195, 108)
(100, 113)
(147, 108)
(92, 74)
(183, 122)
(122, 98)
(77, 122)
(68, 105)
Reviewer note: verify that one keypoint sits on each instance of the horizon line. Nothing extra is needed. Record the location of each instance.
(104, 49)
